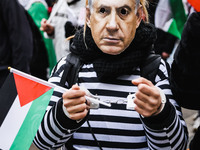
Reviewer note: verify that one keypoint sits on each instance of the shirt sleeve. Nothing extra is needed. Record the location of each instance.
(168, 129)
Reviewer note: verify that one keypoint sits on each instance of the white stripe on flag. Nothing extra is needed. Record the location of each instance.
(163, 14)
(167, 25)
(12, 123)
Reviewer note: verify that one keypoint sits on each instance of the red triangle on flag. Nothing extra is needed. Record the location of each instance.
(28, 90)
(195, 4)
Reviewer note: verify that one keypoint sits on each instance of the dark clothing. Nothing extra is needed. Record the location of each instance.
(39, 62)
(151, 9)
(15, 38)
(165, 42)
(109, 66)
(194, 144)
(185, 74)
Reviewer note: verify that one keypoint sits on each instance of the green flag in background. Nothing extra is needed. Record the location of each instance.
(171, 15)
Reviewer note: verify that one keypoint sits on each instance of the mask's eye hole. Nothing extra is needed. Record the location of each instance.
(102, 10)
(123, 11)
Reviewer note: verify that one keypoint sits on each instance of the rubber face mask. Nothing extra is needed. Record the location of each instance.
(113, 24)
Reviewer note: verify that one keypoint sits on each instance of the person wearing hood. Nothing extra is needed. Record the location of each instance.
(112, 47)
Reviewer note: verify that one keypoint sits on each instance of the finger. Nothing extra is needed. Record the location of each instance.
(78, 116)
(49, 26)
(145, 86)
(143, 108)
(43, 20)
(142, 112)
(77, 108)
(41, 28)
(142, 96)
(74, 92)
(145, 89)
(148, 95)
(149, 107)
(140, 104)
(142, 80)
(72, 102)
(75, 87)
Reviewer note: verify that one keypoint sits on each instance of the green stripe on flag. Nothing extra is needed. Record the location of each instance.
(29, 128)
(173, 29)
(179, 13)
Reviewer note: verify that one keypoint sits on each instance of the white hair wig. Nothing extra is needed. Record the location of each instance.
(90, 2)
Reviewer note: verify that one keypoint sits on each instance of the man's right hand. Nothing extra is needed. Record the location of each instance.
(46, 27)
(75, 103)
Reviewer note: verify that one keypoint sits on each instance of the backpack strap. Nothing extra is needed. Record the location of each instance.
(71, 69)
(70, 74)
(149, 68)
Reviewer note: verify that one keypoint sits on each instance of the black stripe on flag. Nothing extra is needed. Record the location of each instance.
(8, 94)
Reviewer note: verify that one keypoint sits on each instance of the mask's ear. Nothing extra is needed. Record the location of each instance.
(139, 15)
(88, 17)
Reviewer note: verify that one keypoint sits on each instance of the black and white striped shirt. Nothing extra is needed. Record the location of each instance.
(114, 127)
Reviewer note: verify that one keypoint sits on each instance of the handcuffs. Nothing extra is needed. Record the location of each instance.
(95, 100)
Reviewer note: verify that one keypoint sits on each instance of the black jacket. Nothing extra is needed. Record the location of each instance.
(185, 72)
(16, 43)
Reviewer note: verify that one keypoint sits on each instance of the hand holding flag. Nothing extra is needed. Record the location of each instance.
(23, 103)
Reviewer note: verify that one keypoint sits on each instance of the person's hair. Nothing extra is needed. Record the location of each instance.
(144, 4)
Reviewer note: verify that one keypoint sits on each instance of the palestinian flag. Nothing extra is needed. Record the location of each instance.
(23, 102)
(171, 15)
(195, 4)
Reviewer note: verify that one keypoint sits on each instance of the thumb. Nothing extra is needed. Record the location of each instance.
(43, 20)
(142, 80)
(75, 87)
(41, 28)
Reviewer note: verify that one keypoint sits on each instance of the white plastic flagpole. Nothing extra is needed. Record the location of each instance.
(36, 79)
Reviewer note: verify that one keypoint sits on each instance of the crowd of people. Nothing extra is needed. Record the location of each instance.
(113, 42)
(27, 44)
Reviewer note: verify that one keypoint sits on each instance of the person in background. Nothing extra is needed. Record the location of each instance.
(63, 11)
(112, 47)
(169, 19)
(16, 46)
(50, 4)
(38, 9)
(185, 71)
